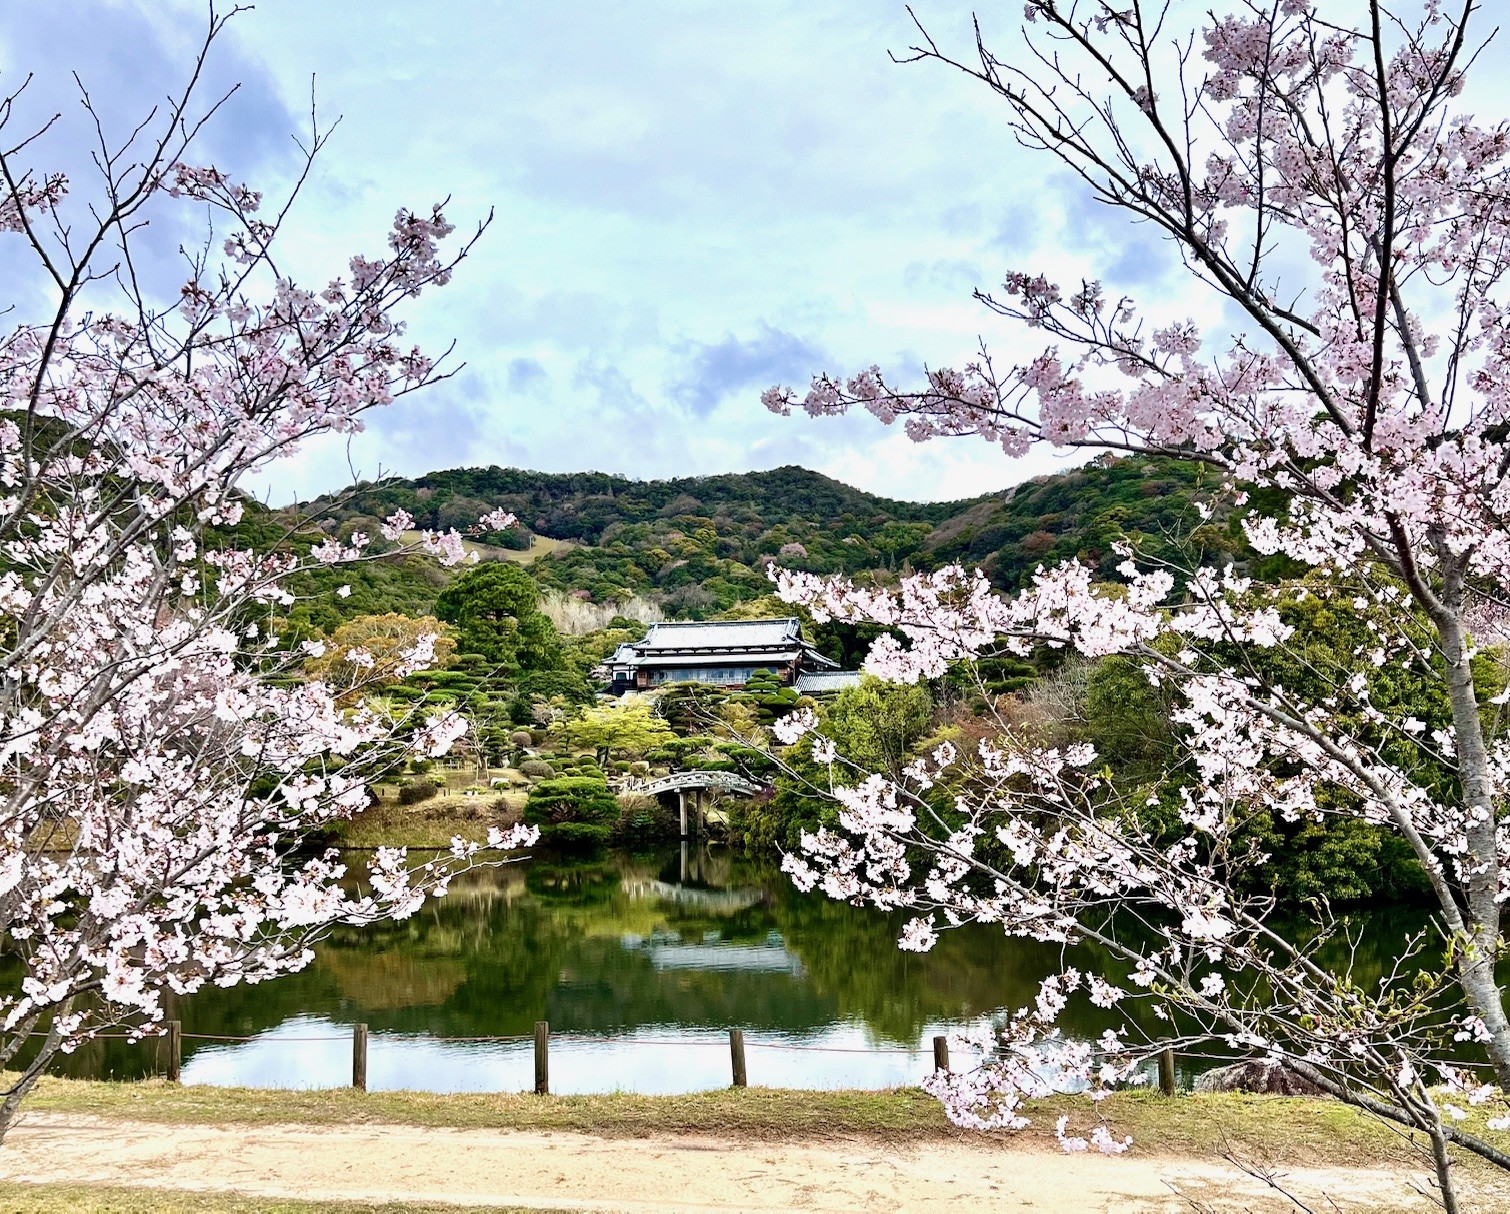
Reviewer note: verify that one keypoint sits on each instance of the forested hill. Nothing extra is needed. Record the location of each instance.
(583, 505)
(698, 545)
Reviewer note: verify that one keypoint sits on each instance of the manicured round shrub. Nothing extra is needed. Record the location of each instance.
(536, 769)
(415, 791)
(710, 763)
(570, 799)
(450, 678)
(521, 738)
(575, 836)
(578, 765)
(572, 811)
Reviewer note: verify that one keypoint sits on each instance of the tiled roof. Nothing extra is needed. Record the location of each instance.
(721, 657)
(719, 643)
(721, 634)
(817, 682)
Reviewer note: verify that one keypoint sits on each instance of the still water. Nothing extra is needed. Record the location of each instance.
(641, 963)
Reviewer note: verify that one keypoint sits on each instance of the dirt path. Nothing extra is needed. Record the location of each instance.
(669, 1175)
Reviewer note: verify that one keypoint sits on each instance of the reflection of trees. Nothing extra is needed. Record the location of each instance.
(851, 956)
(564, 941)
(562, 884)
(607, 989)
(241, 1011)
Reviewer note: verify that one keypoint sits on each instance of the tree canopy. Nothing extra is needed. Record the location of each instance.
(374, 651)
(625, 727)
(495, 610)
(1350, 409)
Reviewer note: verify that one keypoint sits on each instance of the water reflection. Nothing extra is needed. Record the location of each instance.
(308, 1052)
(631, 950)
(668, 951)
(652, 956)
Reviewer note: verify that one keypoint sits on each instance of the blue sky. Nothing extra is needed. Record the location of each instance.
(692, 200)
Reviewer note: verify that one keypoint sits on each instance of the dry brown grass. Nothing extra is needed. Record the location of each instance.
(540, 545)
(435, 822)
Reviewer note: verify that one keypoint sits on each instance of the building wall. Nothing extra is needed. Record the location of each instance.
(722, 675)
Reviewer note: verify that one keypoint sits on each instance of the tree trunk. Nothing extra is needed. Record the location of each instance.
(1476, 961)
(1443, 1163)
(10, 1105)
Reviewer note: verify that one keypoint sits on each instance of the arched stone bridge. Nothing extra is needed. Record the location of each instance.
(697, 783)
(723, 781)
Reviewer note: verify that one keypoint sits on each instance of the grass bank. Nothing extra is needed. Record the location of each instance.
(1276, 1129)
(432, 823)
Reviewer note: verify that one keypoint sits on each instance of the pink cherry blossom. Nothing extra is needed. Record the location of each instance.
(163, 771)
(1367, 393)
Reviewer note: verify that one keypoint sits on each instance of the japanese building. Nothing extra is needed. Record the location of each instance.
(723, 652)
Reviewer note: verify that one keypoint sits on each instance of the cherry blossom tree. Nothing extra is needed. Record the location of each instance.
(161, 773)
(1323, 183)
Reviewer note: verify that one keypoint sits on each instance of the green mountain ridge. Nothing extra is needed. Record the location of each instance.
(700, 545)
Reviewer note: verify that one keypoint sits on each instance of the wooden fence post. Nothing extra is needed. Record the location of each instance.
(542, 1057)
(359, 1057)
(941, 1054)
(737, 1056)
(175, 1049)
(1166, 1073)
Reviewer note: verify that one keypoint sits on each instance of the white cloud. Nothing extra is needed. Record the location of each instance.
(687, 197)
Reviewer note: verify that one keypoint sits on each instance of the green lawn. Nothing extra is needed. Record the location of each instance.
(102, 1199)
(1290, 1131)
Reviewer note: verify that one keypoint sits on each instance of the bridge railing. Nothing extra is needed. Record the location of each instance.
(684, 781)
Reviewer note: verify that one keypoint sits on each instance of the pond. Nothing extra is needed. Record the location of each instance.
(640, 963)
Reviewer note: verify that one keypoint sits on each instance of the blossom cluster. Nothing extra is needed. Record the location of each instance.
(161, 773)
(1367, 396)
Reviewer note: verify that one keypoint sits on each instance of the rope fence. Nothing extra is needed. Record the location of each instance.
(174, 1036)
(510, 1038)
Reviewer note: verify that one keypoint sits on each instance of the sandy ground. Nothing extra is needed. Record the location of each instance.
(681, 1175)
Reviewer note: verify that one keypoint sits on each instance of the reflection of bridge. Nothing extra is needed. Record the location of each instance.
(699, 784)
(725, 901)
(750, 958)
